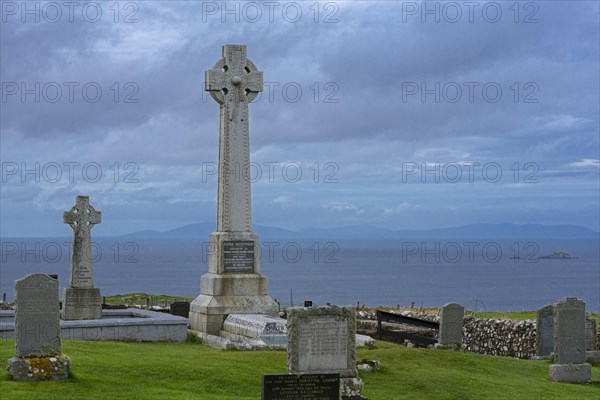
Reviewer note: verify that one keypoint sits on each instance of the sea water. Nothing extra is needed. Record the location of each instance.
(487, 275)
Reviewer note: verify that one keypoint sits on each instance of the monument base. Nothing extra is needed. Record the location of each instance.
(82, 303)
(351, 388)
(233, 284)
(39, 368)
(208, 312)
(571, 373)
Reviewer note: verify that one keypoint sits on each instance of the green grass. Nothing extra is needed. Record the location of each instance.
(514, 315)
(519, 315)
(173, 371)
(141, 298)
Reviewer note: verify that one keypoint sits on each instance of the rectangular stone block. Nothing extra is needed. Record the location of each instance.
(233, 285)
(255, 326)
(37, 317)
(576, 373)
(544, 340)
(322, 340)
(39, 368)
(569, 331)
(451, 324)
(82, 303)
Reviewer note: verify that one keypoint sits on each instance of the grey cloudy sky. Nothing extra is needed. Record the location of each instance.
(394, 114)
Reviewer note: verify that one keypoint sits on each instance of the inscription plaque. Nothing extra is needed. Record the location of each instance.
(301, 387)
(324, 342)
(238, 256)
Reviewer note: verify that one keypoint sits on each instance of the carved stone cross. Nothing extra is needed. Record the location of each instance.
(233, 82)
(82, 217)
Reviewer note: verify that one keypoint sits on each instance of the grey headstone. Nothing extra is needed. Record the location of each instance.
(590, 334)
(569, 331)
(322, 340)
(544, 341)
(451, 324)
(37, 317)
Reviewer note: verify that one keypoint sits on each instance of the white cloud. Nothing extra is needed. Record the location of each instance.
(586, 163)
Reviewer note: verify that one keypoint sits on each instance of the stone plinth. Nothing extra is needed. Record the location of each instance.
(82, 303)
(575, 373)
(39, 368)
(233, 284)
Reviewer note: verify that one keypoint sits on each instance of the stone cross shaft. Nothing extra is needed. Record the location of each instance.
(233, 82)
(82, 217)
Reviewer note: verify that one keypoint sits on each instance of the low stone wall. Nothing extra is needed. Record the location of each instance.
(500, 337)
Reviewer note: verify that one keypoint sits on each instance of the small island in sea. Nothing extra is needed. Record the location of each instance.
(557, 255)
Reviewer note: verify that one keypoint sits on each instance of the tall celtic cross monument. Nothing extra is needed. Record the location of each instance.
(82, 300)
(233, 284)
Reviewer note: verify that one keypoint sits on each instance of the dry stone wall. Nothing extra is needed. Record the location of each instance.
(500, 337)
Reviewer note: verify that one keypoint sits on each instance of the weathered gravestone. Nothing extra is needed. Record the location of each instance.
(590, 334)
(569, 342)
(233, 284)
(37, 331)
(81, 299)
(451, 324)
(544, 340)
(323, 340)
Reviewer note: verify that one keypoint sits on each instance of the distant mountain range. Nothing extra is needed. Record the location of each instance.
(365, 232)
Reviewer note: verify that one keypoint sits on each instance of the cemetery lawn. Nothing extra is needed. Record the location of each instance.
(141, 298)
(120, 370)
(520, 315)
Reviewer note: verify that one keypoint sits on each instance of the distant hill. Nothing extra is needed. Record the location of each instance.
(365, 232)
(202, 230)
